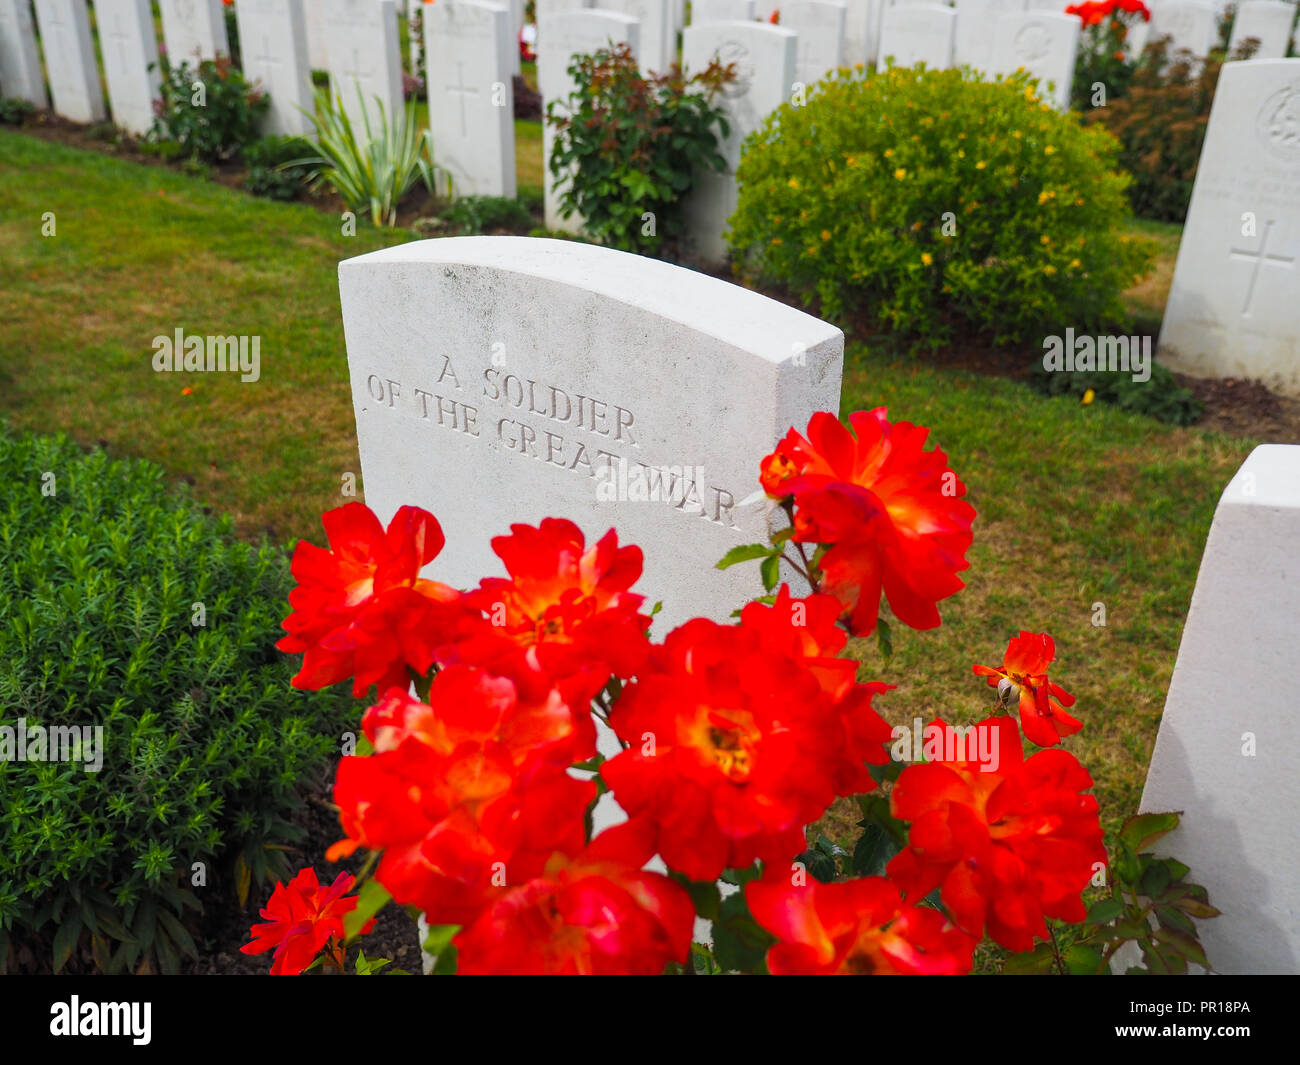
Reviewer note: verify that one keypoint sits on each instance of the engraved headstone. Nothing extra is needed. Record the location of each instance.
(317, 53)
(20, 62)
(918, 33)
(1190, 23)
(721, 11)
(273, 46)
(1232, 305)
(559, 38)
(193, 30)
(70, 59)
(364, 57)
(658, 40)
(471, 105)
(976, 30)
(1225, 754)
(130, 50)
(764, 56)
(820, 26)
(1269, 22)
(861, 31)
(1044, 44)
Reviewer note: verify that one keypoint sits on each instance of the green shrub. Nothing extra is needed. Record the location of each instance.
(486, 214)
(938, 203)
(372, 173)
(1160, 397)
(271, 169)
(1160, 124)
(219, 125)
(632, 144)
(205, 745)
(14, 111)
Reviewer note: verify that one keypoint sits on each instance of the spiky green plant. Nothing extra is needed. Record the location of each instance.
(372, 173)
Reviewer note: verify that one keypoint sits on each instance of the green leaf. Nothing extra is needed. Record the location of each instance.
(65, 941)
(874, 850)
(739, 943)
(744, 553)
(1141, 831)
(439, 938)
(741, 877)
(1081, 960)
(446, 963)
(1104, 911)
(369, 966)
(373, 898)
(1154, 881)
(884, 639)
(1187, 946)
(770, 570)
(1036, 961)
(704, 894)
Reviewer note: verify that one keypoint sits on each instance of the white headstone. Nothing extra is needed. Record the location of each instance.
(559, 38)
(129, 46)
(500, 380)
(918, 33)
(820, 26)
(193, 30)
(364, 54)
(658, 40)
(317, 53)
(1269, 22)
(1232, 309)
(1225, 754)
(70, 59)
(1189, 22)
(471, 104)
(976, 30)
(1057, 6)
(273, 51)
(861, 29)
(20, 62)
(765, 65)
(721, 11)
(1042, 43)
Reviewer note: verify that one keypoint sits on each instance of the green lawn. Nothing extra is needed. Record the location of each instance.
(1077, 505)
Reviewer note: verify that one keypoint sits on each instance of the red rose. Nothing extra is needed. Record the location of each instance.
(1024, 666)
(302, 919)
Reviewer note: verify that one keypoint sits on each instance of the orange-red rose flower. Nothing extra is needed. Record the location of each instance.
(733, 749)
(302, 919)
(361, 609)
(598, 913)
(565, 608)
(1009, 847)
(854, 927)
(1042, 703)
(888, 511)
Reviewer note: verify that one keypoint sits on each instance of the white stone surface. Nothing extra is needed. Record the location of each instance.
(976, 30)
(1042, 43)
(721, 11)
(658, 36)
(559, 38)
(129, 46)
(765, 64)
(918, 33)
(317, 53)
(1226, 754)
(193, 30)
(1189, 22)
(1232, 309)
(273, 50)
(471, 105)
(363, 52)
(861, 31)
(70, 59)
(820, 26)
(20, 62)
(1269, 22)
(495, 379)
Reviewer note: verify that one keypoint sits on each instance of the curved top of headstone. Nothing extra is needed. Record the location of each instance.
(740, 316)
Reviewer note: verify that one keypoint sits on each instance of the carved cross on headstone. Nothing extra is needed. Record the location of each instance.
(120, 36)
(1259, 258)
(460, 90)
(268, 58)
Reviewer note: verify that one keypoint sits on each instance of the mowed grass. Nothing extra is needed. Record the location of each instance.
(1077, 505)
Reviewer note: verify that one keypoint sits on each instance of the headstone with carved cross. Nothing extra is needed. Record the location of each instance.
(70, 59)
(273, 46)
(1044, 43)
(20, 62)
(1232, 309)
(130, 49)
(471, 103)
(365, 61)
(193, 30)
